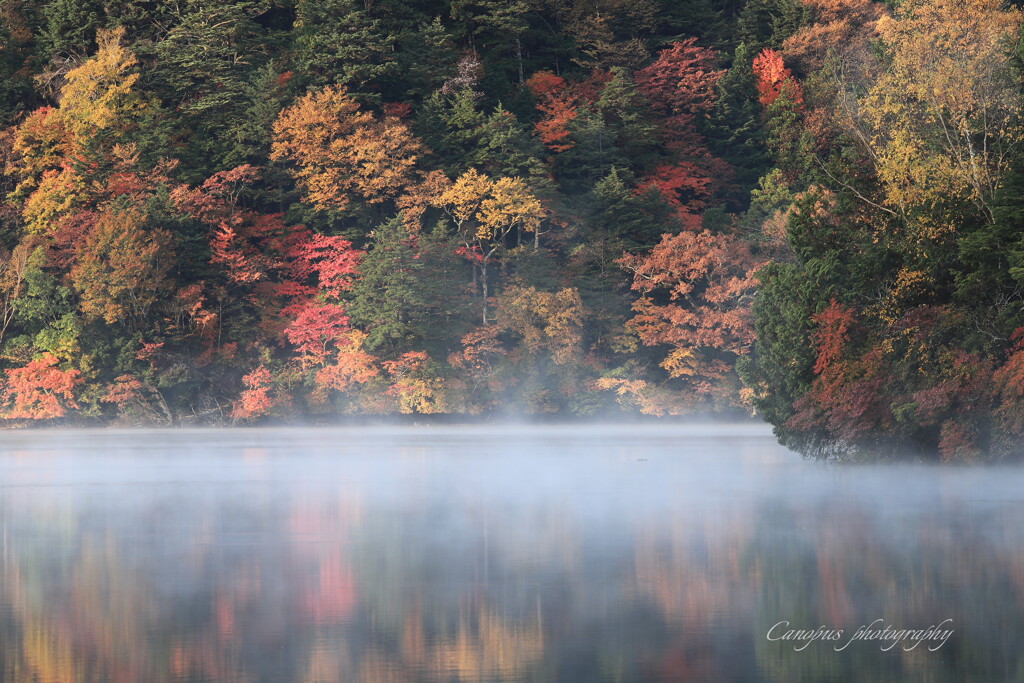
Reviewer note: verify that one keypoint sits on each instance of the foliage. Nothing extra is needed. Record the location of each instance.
(260, 210)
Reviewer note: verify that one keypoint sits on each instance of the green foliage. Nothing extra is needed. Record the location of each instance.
(780, 368)
(388, 301)
(70, 27)
(734, 129)
(337, 42)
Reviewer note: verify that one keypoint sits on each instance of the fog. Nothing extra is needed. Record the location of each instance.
(491, 552)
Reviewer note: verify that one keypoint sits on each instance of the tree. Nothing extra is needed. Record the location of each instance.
(338, 43)
(492, 22)
(388, 298)
(16, 42)
(98, 95)
(767, 23)
(40, 390)
(609, 33)
(427, 59)
(543, 321)
(121, 268)
(943, 117)
(779, 369)
(316, 329)
(835, 26)
(255, 400)
(733, 131)
(351, 365)
(202, 69)
(558, 107)
(60, 151)
(774, 79)
(71, 26)
(339, 150)
(704, 284)
(12, 282)
(681, 83)
(486, 212)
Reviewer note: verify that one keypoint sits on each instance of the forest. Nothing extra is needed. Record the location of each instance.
(239, 211)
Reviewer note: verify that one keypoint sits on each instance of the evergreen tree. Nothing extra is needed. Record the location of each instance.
(204, 65)
(337, 42)
(734, 130)
(426, 59)
(70, 28)
(388, 301)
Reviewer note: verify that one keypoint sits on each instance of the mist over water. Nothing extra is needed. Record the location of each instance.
(493, 553)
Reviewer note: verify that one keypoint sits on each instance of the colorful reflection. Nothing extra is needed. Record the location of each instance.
(448, 555)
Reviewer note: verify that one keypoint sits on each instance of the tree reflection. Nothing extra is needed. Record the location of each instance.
(319, 588)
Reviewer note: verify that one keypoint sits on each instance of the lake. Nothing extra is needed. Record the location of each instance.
(498, 553)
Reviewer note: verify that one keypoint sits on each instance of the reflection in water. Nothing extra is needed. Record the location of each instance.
(491, 554)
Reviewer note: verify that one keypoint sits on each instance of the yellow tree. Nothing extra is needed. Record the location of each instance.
(940, 121)
(486, 213)
(97, 94)
(56, 149)
(544, 321)
(12, 281)
(121, 268)
(338, 150)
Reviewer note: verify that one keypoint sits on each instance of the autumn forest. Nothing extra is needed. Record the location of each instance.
(244, 211)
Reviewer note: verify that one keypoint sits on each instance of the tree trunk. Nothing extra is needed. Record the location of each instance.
(483, 287)
(519, 56)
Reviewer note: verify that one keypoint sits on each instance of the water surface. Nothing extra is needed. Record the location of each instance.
(487, 553)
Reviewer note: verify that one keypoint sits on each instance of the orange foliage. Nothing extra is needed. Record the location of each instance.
(481, 349)
(352, 364)
(121, 267)
(559, 102)
(255, 400)
(709, 280)
(838, 25)
(558, 106)
(340, 150)
(40, 390)
(831, 333)
(774, 79)
(240, 264)
(123, 390)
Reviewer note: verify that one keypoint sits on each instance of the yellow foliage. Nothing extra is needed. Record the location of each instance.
(425, 396)
(96, 96)
(39, 145)
(551, 321)
(56, 196)
(680, 362)
(340, 150)
(97, 93)
(510, 203)
(944, 112)
(487, 210)
(908, 285)
(463, 199)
